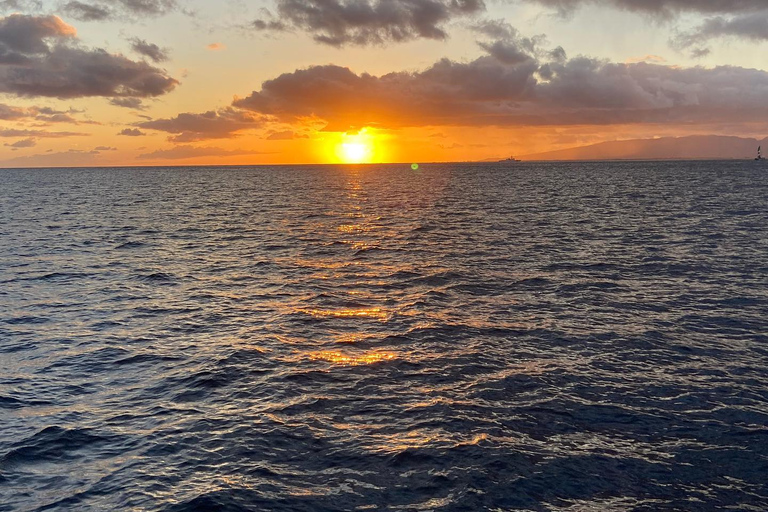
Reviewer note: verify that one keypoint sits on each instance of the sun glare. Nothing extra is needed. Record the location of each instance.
(355, 152)
(357, 148)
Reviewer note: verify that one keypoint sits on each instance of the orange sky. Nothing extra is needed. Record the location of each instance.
(272, 82)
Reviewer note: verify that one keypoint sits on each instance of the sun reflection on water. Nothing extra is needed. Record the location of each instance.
(344, 274)
(341, 358)
(376, 313)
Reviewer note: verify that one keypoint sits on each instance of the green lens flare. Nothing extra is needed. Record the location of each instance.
(415, 167)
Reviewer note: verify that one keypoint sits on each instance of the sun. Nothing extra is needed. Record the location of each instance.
(357, 148)
(355, 152)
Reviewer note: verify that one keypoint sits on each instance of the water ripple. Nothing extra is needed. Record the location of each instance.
(544, 337)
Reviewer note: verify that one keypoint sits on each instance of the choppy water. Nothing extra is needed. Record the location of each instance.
(579, 337)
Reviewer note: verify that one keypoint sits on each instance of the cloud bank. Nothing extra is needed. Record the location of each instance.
(515, 83)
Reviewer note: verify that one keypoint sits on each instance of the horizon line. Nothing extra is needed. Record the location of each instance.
(454, 162)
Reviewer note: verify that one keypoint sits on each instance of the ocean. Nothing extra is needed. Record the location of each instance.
(462, 337)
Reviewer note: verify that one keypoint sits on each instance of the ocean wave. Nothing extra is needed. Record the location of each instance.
(554, 337)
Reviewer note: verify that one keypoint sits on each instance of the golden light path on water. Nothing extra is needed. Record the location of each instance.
(362, 231)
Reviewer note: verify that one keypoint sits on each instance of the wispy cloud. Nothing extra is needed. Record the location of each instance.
(43, 134)
(100, 10)
(187, 152)
(149, 50)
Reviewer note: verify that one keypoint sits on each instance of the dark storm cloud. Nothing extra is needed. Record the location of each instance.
(364, 22)
(221, 124)
(42, 57)
(149, 50)
(514, 84)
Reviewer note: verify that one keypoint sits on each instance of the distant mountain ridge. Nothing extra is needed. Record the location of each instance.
(692, 147)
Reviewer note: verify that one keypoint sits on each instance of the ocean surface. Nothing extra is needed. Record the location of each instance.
(466, 337)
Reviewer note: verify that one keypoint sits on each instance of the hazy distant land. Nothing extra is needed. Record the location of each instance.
(704, 147)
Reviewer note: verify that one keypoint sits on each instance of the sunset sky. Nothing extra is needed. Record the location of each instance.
(177, 82)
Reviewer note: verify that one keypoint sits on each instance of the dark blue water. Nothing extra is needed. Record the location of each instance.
(569, 337)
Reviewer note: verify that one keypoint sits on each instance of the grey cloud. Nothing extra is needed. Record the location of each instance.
(16, 133)
(99, 10)
(23, 143)
(41, 114)
(184, 152)
(149, 50)
(20, 5)
(752, 27)
(25, 35)
(86, 12)
(220, 124)
(744, 19)
(148, 7)
(132, 132)
(545, 88)
(43, 58)
(365, 22)
(10, 113)
(663, 7)
(69, 158)
(505, 43)
(59, 118)
(133, 103)
(286, 135)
